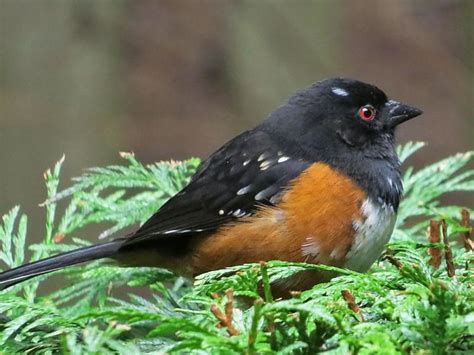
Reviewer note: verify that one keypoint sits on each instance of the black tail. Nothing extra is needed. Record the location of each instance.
(40, 267)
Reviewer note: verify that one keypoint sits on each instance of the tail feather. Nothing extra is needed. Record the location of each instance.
(53, 263)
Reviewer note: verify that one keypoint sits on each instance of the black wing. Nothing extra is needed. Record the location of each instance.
(248, 171)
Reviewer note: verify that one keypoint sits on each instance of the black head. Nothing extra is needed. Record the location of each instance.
(339, 110)
(348, 124)
(360, 112)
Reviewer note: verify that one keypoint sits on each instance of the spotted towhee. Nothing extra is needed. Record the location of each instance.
(318, 181)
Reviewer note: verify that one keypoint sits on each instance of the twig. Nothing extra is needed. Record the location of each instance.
(434, 237)
(394, 261)
(467, 236)
(349, 298)
(229, 305)
(225, 320)
(448, 253)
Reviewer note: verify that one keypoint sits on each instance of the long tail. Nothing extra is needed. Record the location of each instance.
(56, 262)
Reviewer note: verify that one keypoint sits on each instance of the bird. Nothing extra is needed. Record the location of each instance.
(318, 181)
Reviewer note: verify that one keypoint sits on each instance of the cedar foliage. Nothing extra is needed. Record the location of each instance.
(404, 304)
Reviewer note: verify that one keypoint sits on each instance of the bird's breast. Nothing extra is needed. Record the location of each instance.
(371, 233)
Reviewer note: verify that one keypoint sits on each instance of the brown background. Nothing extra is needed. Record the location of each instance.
(177, 78)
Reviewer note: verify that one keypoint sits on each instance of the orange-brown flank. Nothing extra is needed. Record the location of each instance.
(312, 223)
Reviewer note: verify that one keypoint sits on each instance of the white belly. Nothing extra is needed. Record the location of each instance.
(371, 235)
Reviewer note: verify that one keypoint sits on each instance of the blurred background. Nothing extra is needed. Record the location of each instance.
(170, 79)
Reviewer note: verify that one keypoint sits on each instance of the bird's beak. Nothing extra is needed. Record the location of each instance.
(399, 113)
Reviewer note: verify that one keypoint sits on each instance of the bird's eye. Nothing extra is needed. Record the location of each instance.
(367, 112)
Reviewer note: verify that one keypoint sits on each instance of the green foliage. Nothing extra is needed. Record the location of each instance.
(404, 305)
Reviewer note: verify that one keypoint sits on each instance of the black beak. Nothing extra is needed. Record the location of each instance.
(399, 113)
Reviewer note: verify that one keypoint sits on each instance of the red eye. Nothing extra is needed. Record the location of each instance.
(367, 113)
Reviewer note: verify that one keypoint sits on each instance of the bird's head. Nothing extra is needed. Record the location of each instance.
(343, 111)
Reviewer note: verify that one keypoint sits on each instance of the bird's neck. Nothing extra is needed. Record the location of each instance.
(376, 169)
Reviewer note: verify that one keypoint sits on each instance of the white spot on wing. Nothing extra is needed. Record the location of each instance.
(266, 164)
(339, 91)
(245, 163)
(283, 159)
(171, 231)
(221, 212)
(244, 190)
(239, 213)
(275, 198)
(263, 156)
(266, 193)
